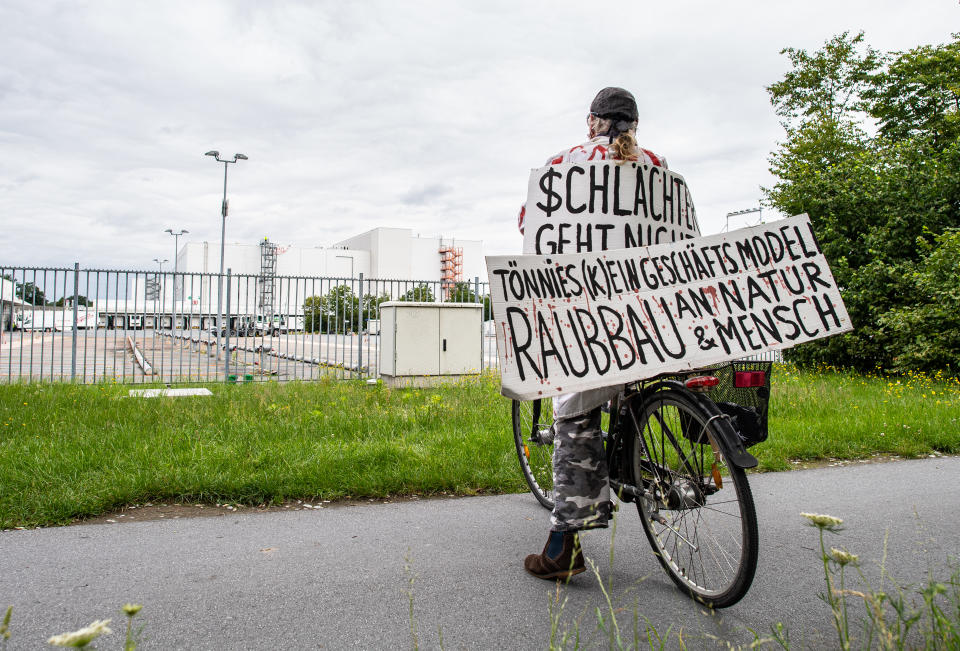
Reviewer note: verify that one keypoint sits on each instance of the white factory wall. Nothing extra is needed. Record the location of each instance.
(394, 259)
(474, 266)
(8, 291)
(8, 299)
(204, 257)
(398, 253)
(424, 256)
(382, 253)
(363, 242)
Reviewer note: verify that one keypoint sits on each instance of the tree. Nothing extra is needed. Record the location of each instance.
(31, 294)
(81, 300)
(927, 332)
(919, 95)
(827, 85)
(312, 314)
(336, 312)
(341, 310)
(462, 293)
(420, 294)
(879, 204)
(371, 307)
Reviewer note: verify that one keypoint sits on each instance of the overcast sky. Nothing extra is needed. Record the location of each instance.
(422, 115)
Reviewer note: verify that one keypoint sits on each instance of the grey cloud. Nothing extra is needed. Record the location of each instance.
(357, 115)
(424, 195)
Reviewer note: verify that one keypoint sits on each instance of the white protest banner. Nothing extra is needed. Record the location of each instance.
(574, 322)
(601, 205)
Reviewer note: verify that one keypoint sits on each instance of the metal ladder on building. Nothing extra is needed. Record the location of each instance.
(268, 272)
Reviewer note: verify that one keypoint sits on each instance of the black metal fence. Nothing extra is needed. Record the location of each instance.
(95, 325)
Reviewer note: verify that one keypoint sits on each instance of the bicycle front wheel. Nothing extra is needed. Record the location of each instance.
(534, 442)
(697, 511)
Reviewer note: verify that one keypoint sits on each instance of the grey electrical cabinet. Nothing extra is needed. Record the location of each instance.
(425, 343)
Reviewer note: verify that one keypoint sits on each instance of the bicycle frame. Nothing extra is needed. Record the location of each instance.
(676, 446)
(727, 444)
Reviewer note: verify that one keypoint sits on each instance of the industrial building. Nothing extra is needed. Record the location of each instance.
(382, 253)
(270, 280)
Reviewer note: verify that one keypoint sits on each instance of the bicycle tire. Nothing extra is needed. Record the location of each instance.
(530, 418)
(701, 524)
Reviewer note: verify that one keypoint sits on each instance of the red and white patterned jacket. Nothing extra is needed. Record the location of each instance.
(597, 148)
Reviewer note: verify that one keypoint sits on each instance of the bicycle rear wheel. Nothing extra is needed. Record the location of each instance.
(697, 511)
(534, 442)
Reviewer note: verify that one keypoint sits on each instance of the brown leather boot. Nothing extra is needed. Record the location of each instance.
(560, 567)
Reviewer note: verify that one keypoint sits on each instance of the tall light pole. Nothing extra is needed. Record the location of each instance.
(742, 212)
(223, 231)
(176, 253)
(159, 289)
(176, 249)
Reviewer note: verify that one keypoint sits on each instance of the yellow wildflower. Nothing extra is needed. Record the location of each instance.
(131, 609)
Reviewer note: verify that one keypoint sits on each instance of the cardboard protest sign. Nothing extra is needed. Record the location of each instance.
(574, 322)
(601, 205)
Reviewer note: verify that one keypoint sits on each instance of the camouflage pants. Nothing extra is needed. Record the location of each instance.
(580, 488)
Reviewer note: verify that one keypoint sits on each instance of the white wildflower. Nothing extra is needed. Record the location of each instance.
(842, 557)
(827, 522)
(83, 637)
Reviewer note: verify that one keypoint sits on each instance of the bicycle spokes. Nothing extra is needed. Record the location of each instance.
(702, 527)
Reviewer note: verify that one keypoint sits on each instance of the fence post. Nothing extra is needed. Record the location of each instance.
(360, 325)
(226, 344)
(73, 343)
(476, 297)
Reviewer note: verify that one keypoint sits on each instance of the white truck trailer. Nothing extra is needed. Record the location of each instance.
(58, 320)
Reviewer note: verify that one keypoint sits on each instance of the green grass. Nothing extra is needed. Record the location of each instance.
(69, 451)
(833, 414)
(72, 451)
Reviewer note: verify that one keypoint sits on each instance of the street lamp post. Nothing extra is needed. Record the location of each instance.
(158, 288)
(223, 231)
(742, 212)
(176, 252)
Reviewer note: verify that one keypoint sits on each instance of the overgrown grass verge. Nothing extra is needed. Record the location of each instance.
(831, 414)
(73, 451)
(69, 451)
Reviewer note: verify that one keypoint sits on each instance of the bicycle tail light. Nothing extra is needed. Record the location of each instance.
(702, 383)
(749, 379)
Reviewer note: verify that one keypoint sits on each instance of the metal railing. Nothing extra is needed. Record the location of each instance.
(96, 325)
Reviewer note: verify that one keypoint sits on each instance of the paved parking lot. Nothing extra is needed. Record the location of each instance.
(188, 356)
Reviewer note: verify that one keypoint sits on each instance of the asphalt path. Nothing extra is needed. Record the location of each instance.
(344, 577)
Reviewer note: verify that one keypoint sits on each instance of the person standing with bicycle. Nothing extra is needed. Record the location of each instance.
(581, 489)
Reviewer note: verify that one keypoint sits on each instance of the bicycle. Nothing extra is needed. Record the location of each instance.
(676, 446)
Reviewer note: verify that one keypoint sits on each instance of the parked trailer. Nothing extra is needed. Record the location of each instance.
(58, 320)
(277, 324)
